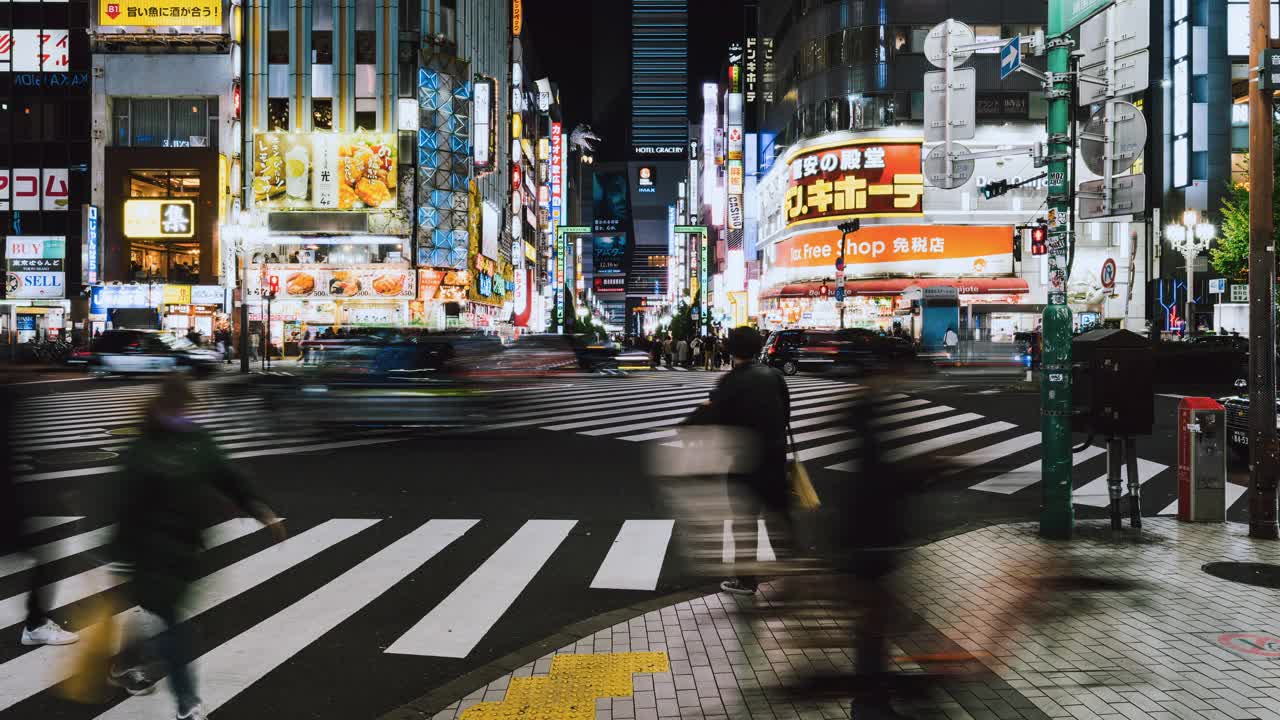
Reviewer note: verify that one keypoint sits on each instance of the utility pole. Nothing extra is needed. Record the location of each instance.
(1057, 514)
(1262, 262)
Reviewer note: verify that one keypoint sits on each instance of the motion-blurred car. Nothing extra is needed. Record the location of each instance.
(537, 354)
(400, 381)
(148, 351)
(850, 350)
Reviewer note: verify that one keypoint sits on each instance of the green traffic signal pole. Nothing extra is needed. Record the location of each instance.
(1056, 511)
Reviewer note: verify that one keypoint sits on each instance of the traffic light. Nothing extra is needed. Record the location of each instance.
(273, 287)
(823, 291)
(1017, 244)
(1040, 239)
(994, 189)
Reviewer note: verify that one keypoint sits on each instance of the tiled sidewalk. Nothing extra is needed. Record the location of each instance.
(1005, 645)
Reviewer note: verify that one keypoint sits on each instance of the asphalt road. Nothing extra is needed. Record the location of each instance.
(417, 559)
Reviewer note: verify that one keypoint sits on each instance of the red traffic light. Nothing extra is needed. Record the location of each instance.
(1040, 240)
(823, 291)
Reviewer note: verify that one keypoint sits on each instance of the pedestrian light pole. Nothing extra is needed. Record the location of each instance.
(1189, 239)
(846, 229)
(1262, 275)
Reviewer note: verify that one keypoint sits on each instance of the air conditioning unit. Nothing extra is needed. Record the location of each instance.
(199, 140)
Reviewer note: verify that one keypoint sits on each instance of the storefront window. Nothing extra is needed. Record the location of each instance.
(174, 261)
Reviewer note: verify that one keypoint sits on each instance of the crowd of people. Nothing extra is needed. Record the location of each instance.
(708, 352)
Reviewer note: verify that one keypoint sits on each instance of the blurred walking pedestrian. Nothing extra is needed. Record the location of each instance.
(753, 398)
(695, 348)
(666, 350)
(172, 474)
(682, 352)
(38, 629)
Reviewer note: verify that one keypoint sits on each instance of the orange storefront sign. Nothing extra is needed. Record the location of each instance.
(855, 179)
(893, 251)
(893, 243)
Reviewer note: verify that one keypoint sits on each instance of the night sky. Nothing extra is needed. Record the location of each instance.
(558, 31)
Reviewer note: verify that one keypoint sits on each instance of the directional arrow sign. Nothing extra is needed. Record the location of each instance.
(1010, 57)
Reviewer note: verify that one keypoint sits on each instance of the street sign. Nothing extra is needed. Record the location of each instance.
(964, 104)
(1123, 33)
(935, 44)
(935, 167)
(1126, 142)
(1128, 196)
(1217, 286)
(1066, 14)
(1132, 31)
(1132, 75)
(1108, 275)
(1269, 77)
(840, 293)
(1011, 57)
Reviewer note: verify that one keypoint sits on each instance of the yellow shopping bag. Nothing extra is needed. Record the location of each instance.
(805, 497)
(90, 659)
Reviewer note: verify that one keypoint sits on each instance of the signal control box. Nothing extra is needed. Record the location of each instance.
(1111, 378)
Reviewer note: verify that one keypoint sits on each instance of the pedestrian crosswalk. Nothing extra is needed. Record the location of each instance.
(79, 434)
(243, 649)
(996, 457)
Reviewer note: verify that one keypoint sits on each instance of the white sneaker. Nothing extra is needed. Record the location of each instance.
(50, 633)
(195, 713)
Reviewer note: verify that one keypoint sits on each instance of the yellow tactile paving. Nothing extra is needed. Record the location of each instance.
(570, 691)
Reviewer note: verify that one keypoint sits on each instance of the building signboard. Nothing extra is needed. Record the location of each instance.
(160, 13)
(35, 50)
(485, 122)
(855, 179)
(557, 174)
(34, 189)
(207, 295)
(90, 249)
(342, 282)
(894, 250)
(34, 267)
(157, 219)
(324, 171)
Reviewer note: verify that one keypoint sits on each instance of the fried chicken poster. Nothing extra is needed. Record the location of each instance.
(322, 170)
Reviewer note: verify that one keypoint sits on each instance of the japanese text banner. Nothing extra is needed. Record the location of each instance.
(861, 178)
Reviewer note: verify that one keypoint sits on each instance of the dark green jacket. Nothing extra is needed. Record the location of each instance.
(176, 483)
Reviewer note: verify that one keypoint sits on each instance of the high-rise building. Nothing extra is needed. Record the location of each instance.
(659, 77)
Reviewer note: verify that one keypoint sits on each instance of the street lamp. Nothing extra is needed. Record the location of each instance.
(846, 228)
(1190, 238)
(245, 233)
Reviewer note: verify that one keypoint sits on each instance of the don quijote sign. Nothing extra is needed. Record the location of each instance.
(855, 179)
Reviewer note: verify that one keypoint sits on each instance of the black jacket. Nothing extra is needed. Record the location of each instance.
(754, 397)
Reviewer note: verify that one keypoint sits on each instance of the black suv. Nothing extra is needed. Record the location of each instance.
(851, 350)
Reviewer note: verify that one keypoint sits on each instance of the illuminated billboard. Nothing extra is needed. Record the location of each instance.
(853, 179)
(324, 171)
(159, 219)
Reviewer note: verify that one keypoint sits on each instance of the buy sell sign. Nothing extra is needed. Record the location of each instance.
(855, 179)
(160, 13)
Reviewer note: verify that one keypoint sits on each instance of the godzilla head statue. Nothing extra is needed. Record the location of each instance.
(583, 138)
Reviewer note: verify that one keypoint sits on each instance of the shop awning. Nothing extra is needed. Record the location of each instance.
(895, 286)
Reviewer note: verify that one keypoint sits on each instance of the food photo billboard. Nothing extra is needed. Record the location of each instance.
(324, 171)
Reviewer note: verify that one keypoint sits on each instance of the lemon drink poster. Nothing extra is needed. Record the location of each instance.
(324, 171)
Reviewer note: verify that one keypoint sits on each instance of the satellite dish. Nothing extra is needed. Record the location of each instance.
(935, 167)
